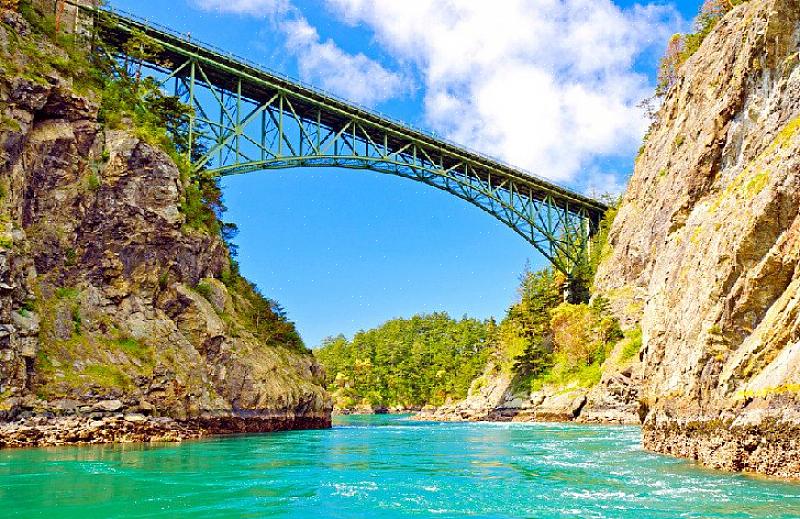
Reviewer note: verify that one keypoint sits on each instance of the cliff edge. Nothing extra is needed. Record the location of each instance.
(707, 241)
(119, 320)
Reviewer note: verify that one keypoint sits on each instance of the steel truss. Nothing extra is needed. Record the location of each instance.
(248, 119)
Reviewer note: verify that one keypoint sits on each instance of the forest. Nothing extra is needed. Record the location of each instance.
(406, 363)
(432, 359)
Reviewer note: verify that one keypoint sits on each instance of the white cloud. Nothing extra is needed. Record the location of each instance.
(356, 77)
(544, 84)
(548, 85)
(604, 184)
(260, 8)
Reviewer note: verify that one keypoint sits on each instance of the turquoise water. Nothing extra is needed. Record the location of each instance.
(385, 467)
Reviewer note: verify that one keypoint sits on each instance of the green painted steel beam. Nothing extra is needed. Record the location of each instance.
(287, 124)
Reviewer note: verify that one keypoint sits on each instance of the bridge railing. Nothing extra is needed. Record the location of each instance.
(122, 14)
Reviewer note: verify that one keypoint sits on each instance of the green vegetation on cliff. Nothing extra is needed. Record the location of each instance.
(682, 46)
(545, 341)
(114, 301)
(426, 359)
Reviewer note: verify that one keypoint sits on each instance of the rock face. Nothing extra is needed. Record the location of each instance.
(707, 242)
(102, 316)
(495, 397)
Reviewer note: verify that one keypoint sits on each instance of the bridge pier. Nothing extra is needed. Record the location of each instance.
(575, 291)
(69, 16)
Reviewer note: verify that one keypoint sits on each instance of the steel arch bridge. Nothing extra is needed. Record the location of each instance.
(250, 119)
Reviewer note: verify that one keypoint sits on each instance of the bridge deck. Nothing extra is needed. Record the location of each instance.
(259, 85)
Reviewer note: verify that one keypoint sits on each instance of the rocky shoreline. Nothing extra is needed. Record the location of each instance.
(770, 447)
(374, 410)
(132, 427)
(569, 407)
(496, 397)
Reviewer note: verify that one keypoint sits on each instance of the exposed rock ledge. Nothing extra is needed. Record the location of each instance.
(493, 397)
(115, 322)
(767, 445)
(138, 428)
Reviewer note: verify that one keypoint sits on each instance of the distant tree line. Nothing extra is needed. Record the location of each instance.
(429, 359)
(426, 359)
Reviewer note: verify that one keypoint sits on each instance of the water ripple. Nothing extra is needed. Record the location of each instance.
(382, 467)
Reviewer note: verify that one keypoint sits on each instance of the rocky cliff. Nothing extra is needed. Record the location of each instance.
(702, 258)
(497, 395)
(707, 242)
(115, 323)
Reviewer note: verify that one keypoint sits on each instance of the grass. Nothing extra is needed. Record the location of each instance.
(787, 132)
(105, 376)
(564, 375)
(57, 360)
(93, 182)
(583, 377)
(632, 345)
(769, 391)
(9, 125)
(204, 289)
(756, 184)
(133, 348)
(67, 293)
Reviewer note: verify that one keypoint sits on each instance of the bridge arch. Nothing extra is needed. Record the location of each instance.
(249, 119)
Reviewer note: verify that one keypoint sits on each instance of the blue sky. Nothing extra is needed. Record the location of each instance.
(548, 85)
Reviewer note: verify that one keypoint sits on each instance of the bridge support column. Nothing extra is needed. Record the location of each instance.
(575, 291)
(68, 15)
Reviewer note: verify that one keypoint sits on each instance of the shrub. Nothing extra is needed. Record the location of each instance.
(195, 207)
(600, 249)
(670, 63)
(583, 333)
(163, 279)
(93, 182)
(70, 257)
(681, 47)
(204, 289)
(77, 321)
(633, 343)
